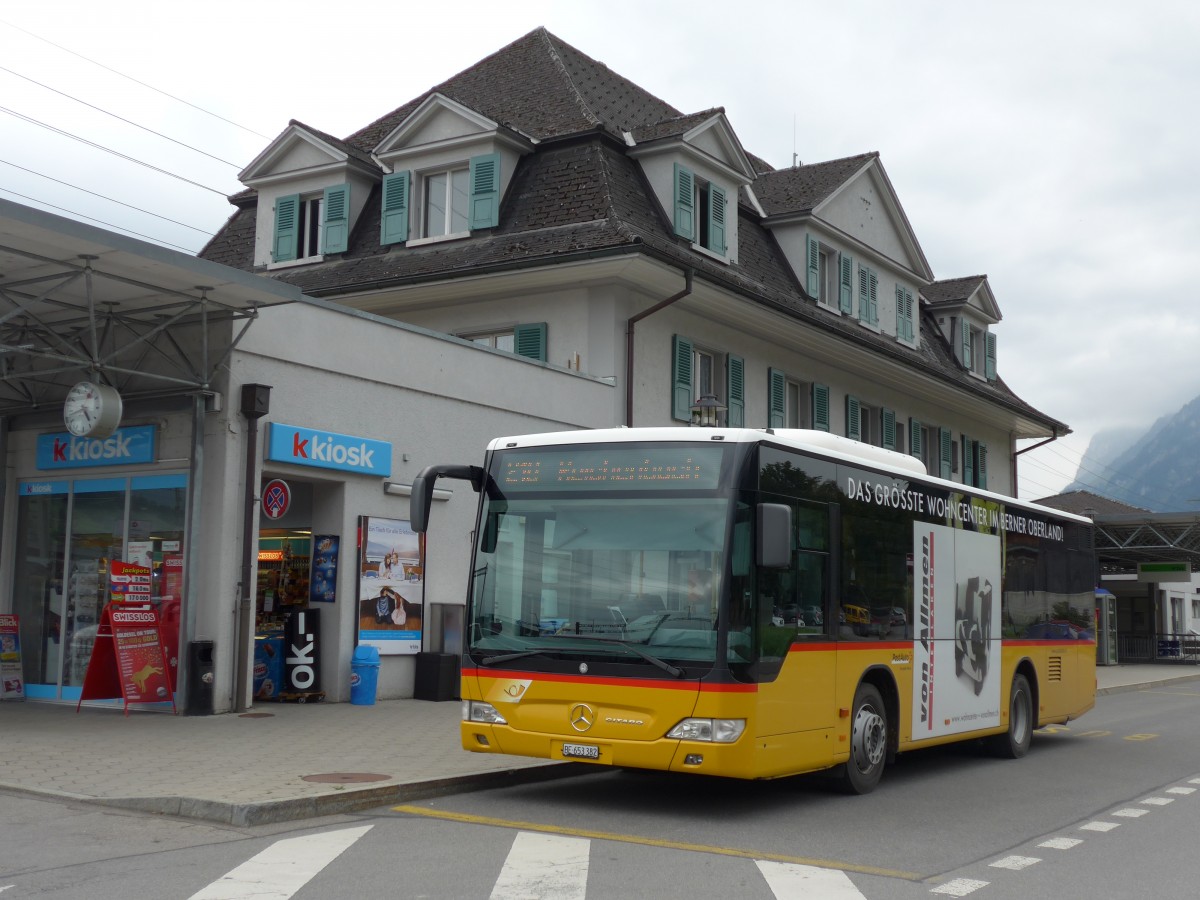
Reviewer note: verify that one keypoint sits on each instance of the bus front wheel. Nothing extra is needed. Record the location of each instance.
(868, 741)
(1014, 743)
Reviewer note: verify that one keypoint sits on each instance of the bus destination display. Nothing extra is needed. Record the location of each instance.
(615, 468)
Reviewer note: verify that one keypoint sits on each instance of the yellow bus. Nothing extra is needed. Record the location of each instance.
(756, 604)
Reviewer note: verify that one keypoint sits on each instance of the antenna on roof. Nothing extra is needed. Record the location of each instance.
(794, 154)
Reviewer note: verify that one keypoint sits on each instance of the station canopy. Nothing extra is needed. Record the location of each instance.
(79, 302)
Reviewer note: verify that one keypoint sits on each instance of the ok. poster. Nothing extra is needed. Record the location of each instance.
(391, 586)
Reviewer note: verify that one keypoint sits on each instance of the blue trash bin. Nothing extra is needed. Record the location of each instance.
(364, 675)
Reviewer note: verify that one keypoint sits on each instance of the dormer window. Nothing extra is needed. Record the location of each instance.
(700, 211)
(453, 201)
(310, 225)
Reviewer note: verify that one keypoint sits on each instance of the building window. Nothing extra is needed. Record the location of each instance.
(524, 340)
(700, 211)
(905, 315)
(693, 374)
(796, 404)
(446, 203)
(974, 462)
(868, 296)
(298, 228)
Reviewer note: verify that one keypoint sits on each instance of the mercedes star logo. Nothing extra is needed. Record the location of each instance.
(582, 717)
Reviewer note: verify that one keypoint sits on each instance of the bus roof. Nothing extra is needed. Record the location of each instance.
(819, 442)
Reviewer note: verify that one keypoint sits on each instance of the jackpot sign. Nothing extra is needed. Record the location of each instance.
(328, 450)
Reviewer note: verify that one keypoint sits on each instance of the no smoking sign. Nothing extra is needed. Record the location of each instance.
(276, 499)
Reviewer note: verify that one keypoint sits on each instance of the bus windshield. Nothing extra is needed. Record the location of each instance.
(598, 572)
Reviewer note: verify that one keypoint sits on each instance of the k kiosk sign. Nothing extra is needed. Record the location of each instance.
(328, 450)
(126, 446)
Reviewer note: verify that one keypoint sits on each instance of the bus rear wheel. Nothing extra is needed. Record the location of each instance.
(868, 741)
(1014, 743)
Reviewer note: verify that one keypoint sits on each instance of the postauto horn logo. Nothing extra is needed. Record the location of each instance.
(328, 450)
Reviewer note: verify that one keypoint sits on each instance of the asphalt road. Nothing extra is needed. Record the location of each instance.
(1104, 807)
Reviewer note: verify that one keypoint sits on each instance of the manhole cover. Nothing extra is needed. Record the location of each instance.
(345, 778)
(255, 715)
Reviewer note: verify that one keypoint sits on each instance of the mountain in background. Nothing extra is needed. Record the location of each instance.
(1158, 469)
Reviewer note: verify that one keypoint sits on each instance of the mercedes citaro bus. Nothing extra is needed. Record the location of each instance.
(634, 592)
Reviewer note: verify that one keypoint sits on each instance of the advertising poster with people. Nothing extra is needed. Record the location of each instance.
(11, 686)
(391, 586)
(956, 632)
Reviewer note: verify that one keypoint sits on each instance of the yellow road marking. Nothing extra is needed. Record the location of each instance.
(1140, 737)
(1094, 733)
(1053, 729)
(470, 819)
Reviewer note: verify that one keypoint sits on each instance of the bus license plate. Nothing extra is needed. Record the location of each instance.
(581, 751)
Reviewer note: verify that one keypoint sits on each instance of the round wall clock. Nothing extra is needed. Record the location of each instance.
(92, 410)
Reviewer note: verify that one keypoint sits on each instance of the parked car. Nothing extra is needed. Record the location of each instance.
(813, 615)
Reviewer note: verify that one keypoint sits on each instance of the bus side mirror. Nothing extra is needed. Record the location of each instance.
(774, 536)
(421, 497)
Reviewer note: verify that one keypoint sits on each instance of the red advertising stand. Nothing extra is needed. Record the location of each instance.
(127, 658)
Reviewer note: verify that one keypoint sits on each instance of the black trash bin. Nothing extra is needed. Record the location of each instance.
(436, 677)
(200, 678)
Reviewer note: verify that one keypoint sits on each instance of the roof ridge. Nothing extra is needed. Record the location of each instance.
(556, 56)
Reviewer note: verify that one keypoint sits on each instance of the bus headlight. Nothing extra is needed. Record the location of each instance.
(475, 711)
(717, 731)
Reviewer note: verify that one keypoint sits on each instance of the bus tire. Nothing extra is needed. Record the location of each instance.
(868, 741)
(1014, 743)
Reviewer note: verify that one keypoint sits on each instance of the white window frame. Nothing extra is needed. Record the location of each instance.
(310, 230)
(797, 405)
(499, 339)
(426, 197)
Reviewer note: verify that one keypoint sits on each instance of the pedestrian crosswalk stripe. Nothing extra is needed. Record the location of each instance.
(1061, 843)
(959, 887)
(544, 866)
(283, 868)
(792, 880)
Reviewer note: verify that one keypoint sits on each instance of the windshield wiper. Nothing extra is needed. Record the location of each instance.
(505, 657)
(673, 671)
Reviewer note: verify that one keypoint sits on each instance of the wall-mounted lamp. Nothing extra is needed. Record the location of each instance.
(397, 489)
(706, 411)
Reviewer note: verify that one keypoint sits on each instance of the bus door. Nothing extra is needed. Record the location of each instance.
(796, 663)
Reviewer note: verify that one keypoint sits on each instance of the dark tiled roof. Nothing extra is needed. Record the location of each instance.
(675, 127)
(541, 87)
(801, 188)
(952, 290)
(1085, 502)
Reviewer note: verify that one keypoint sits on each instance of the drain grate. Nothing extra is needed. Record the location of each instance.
(255, 715)
(345, 778)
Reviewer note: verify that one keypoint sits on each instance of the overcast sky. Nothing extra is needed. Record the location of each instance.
(1048, 145)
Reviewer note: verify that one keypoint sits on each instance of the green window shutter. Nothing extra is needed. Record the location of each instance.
(946, 442)
(716, 219)
(904, 313)
(968, 454)
(820, 407)
(812, 255)
(990, 357)
(735, 391)
(889, 429)
(530, 341)
(485, 191)
(916, 438)
(287, 228)
(335, 209)
(685, 203)
(394, 224)
(776, 399)
(981, 464)
(965, 343)
(853, 418)
(681, 379)
(910, 316)
(864, 294)
(873, 299)
(846, 285)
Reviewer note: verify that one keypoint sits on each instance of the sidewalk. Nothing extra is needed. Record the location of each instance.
(284, 761)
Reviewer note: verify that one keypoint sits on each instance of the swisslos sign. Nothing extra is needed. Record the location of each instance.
(328, 450)
(127, 446)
